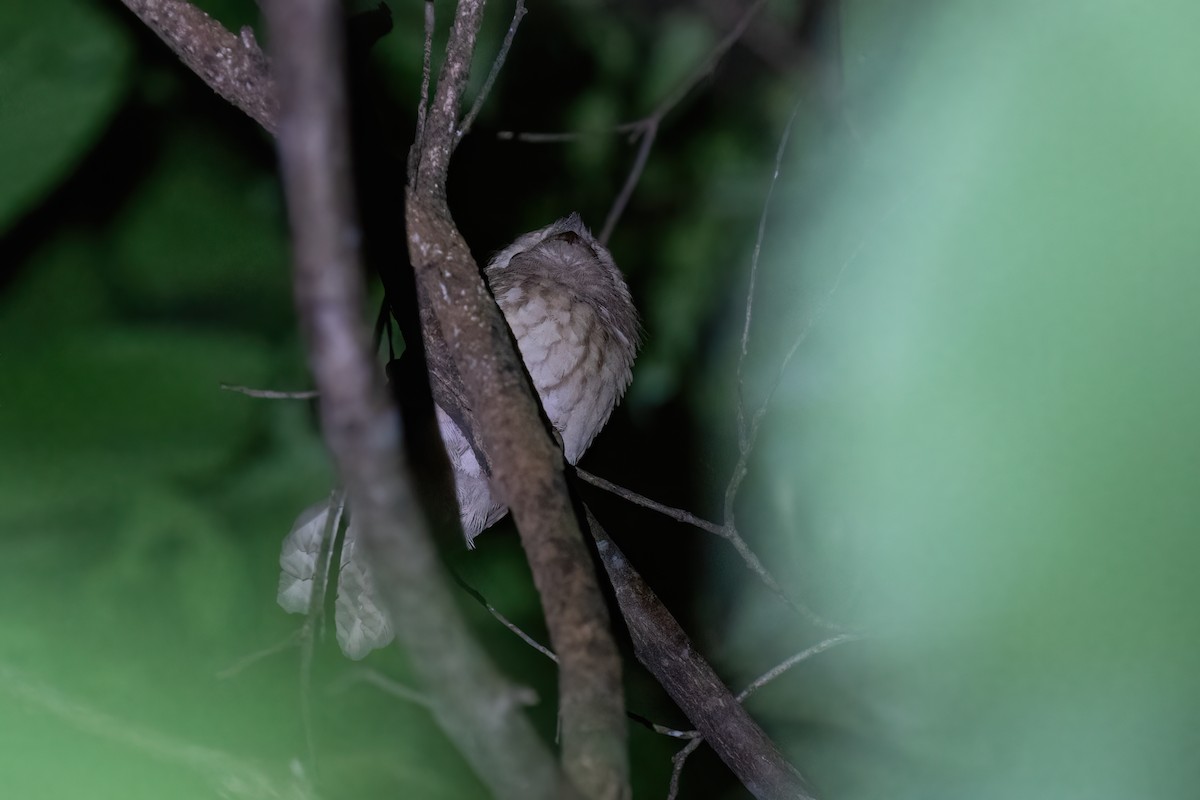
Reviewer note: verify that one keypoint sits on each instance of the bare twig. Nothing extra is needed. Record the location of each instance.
(727, 532)
(472, 702)
(680, 758)
(382, 682)
(705, 68)
(232, 66)
(758, 240)
(813, 319)
(270, 394)
(745, 438)
(469, 119)
(645, 130)
(648, 127)
(664, 106)
(662, 646)
(773, 44)
(503, 620)
(783, 666)
(677, 514)
(677, 762)
(466, 329)
(534, 137)
(245, 662)
(663, 729)
(648, 135)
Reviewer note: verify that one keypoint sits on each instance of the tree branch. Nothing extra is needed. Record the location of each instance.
(664, 649)
(527, 466)
(680, 758)
(270, 394)
(232, 66)
(477, 708)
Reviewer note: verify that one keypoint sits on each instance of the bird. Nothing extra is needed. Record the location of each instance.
(577, 330)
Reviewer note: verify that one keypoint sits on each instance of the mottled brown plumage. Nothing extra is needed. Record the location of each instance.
(575, 325)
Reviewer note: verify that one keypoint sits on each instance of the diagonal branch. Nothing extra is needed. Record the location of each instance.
(527, 467)
(664, 649)
(478, 709)
(232, 66)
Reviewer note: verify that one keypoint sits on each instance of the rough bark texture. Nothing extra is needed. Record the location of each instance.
(527, 474)
(232, 66)
(527, 467)
(665, 650)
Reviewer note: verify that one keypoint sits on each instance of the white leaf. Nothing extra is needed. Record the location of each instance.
(362, 624)
(298, 558)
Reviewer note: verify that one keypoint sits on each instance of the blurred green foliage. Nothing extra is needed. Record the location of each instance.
(985, 452)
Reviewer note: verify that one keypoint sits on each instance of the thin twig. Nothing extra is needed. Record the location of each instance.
(646, 129)
(758, 240)
(710, 61)
(756, 421)
(270, 394)
(503, 620)
(649, 126)
(783, 666)
(676, 514)
(664, 730)
(536, 137)
(677, 761)
(649, 134)
(246, 662)
(726, 532)
(469, 119)
(664, 106)
(379, 681)
(747, 432)
(681, 757)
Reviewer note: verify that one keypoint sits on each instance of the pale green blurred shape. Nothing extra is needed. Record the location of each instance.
(987, 453)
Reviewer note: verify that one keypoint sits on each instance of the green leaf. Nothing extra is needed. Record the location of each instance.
(63, 65)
